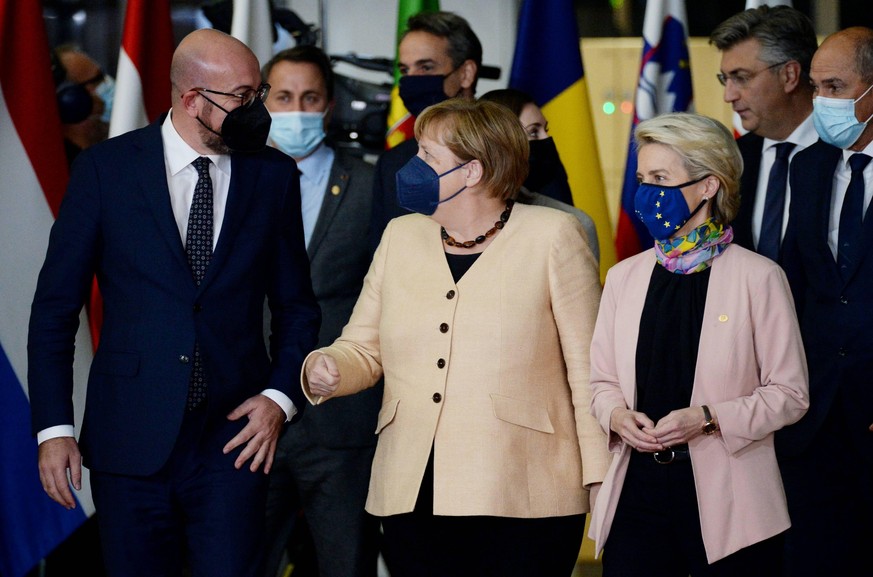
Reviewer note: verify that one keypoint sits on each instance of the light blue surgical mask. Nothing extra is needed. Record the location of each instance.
(835, 120)
(297, 133)
(106, 91)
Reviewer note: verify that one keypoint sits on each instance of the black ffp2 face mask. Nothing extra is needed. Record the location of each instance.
(245, 128)
(419, 92)
(545, 165)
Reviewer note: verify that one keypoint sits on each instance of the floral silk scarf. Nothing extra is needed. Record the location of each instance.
(696, 250)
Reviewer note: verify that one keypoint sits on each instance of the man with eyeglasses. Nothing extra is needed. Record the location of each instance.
(189, 224)
(766, 54)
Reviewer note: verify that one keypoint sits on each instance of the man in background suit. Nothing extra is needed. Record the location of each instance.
(826, 458)
(189, 224)
(323, 463)
(439, 57)
(766, 53)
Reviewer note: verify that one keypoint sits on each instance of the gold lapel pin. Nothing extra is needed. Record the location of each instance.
(335, 190)
(722, 318)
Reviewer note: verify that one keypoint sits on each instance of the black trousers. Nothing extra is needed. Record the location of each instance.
(421, 544)
(830, 491)
(656, 530)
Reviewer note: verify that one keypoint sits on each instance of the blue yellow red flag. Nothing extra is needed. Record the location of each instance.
(547, 65)
(664, 86)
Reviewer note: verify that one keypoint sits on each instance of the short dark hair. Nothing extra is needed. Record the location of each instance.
(307, 54)
(463, 43)
(783, 32)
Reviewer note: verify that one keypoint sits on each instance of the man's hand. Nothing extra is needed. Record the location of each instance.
(56, 457)
(322, 374)
(260, 435)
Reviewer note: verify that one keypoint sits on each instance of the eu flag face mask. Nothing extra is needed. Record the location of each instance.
(663, 209)
(835, 120)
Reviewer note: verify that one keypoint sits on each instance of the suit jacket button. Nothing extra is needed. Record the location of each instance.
(844, 300)
(184, 359)
(441, 363)
(437, 397)
(450, 295)
(842, 352)
(444, 328)
(197, 308)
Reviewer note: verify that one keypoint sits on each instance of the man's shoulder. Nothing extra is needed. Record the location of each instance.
(398, 155)
(350, 162)
(818, 150)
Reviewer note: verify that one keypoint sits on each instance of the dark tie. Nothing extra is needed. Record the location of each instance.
(198, 246)
(774, 203)
(852, 216)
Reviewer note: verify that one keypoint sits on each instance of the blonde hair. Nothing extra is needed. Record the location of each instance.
(706, 147)
(484, 131)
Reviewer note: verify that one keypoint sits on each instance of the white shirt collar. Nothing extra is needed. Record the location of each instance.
(178, 154)
(802, 136)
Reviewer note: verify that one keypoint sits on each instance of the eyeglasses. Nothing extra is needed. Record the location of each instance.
(742, 79)
(246, 98)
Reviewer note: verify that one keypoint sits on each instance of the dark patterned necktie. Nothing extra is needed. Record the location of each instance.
(852, 216)
(198, 246)
(770, 240)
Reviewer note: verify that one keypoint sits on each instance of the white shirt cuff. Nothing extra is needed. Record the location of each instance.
(55, 432)
(283, 401)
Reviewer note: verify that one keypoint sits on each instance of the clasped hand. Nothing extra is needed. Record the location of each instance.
(322, 374)
(641, 433)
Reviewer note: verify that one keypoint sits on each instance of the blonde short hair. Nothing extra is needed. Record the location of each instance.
(706, 147)
(484, 131)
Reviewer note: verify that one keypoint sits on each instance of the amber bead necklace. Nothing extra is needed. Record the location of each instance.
(504, 218)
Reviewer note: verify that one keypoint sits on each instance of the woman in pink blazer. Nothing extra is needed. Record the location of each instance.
(479, 311)
(696, 360)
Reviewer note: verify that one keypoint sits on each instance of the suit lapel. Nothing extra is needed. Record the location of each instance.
(337, 184)
(751, 145)
(153, 185)
(244, 177)
(824, 182)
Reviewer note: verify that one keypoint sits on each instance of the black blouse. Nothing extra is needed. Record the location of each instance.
(669, 338)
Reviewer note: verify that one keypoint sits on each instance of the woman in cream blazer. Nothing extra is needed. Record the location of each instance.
(486, 447)
(696, 361)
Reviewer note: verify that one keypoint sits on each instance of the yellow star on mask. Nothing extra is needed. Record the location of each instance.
(658, 216)
(667, 224)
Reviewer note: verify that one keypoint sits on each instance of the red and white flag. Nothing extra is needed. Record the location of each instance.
(253, 25)
(142, 81)
(34, 177)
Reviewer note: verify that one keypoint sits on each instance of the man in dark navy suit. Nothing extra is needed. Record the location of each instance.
(826, 458)
(766, 53)
(189, 225)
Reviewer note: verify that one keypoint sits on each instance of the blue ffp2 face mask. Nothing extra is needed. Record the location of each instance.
(663, 209)
(418, 186)
(297, 133)
(835, 121)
